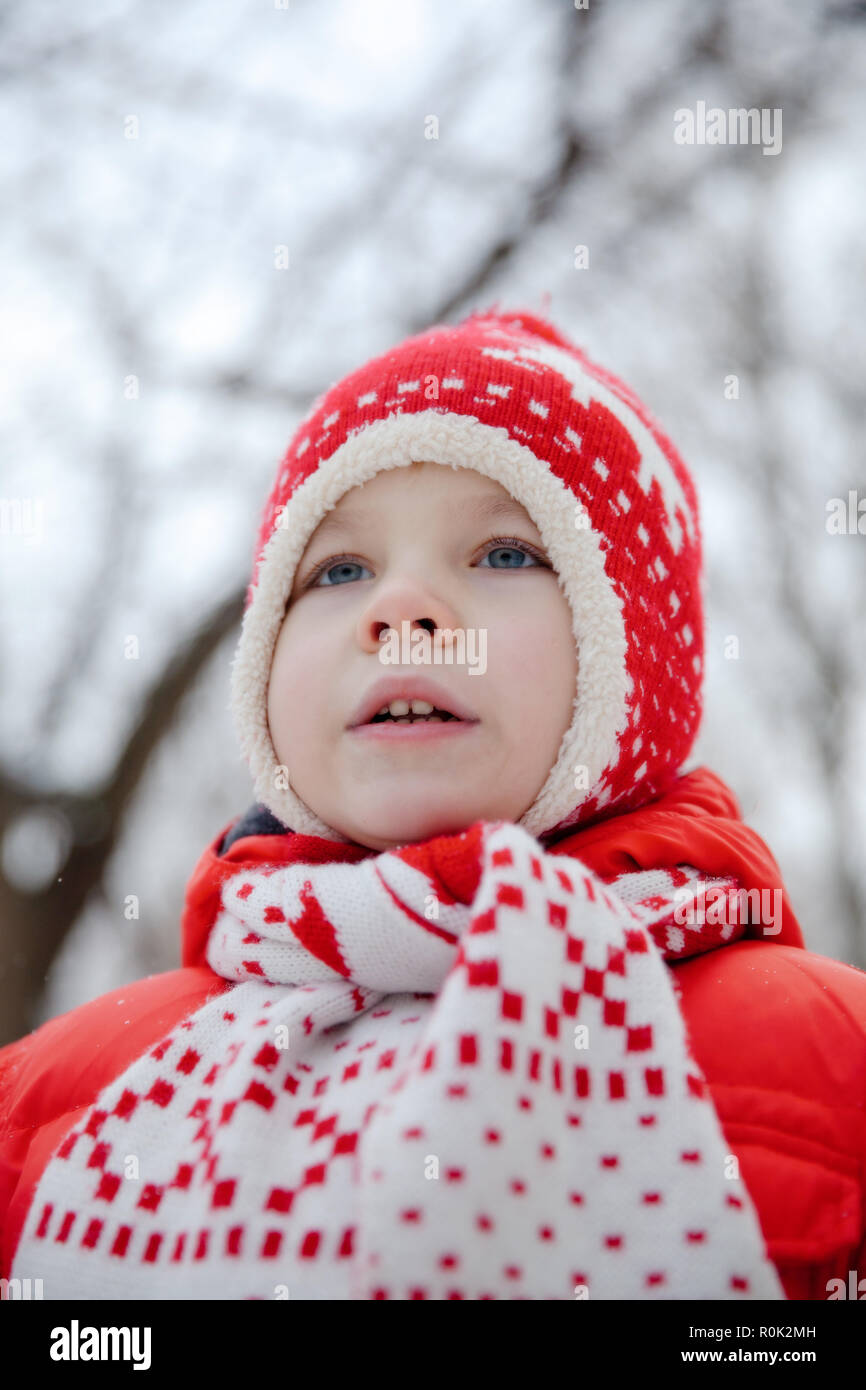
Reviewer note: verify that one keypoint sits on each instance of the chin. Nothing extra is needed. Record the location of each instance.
(391, 826)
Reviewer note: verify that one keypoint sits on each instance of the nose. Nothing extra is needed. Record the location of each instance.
(403, 601)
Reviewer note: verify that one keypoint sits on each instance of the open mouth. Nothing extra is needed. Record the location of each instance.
(435, 716)
(382, 713)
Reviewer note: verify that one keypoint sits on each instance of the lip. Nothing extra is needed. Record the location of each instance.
(410, 688)
(413, 733)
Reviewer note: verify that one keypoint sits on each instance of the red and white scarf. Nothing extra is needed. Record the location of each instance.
(453, 1070)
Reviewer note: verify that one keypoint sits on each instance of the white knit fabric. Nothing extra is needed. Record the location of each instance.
(407, 1097)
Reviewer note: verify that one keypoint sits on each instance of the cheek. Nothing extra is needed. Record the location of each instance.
(532, 660)
(300, 679)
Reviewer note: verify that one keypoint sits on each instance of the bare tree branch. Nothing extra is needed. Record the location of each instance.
(34, 926)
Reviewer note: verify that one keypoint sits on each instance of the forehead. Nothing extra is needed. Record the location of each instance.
(482, 502)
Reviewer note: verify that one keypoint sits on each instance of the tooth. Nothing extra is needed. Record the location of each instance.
(399, 707)
(421, 707)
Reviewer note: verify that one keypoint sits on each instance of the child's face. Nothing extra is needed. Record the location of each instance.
(413, 544)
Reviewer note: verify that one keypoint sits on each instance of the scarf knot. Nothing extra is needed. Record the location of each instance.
(381, 924)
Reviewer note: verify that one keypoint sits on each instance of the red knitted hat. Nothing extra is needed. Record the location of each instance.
(508, 395)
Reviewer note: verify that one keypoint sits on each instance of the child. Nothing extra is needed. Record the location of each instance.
(485, 996)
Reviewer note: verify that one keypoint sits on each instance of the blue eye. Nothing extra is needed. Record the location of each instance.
(344, 569)
(510, 563)
(340, 568)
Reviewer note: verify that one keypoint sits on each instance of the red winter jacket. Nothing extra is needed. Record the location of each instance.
(778, 1031)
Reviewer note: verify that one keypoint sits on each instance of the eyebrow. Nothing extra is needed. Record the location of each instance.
(484, 509)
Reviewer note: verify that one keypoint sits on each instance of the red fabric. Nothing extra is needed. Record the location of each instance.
(778, 1031)
(696, 822)
(202, 898)
(51, 1075)
(780, 1034)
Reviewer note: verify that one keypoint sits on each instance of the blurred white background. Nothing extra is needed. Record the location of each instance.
(155, 362)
